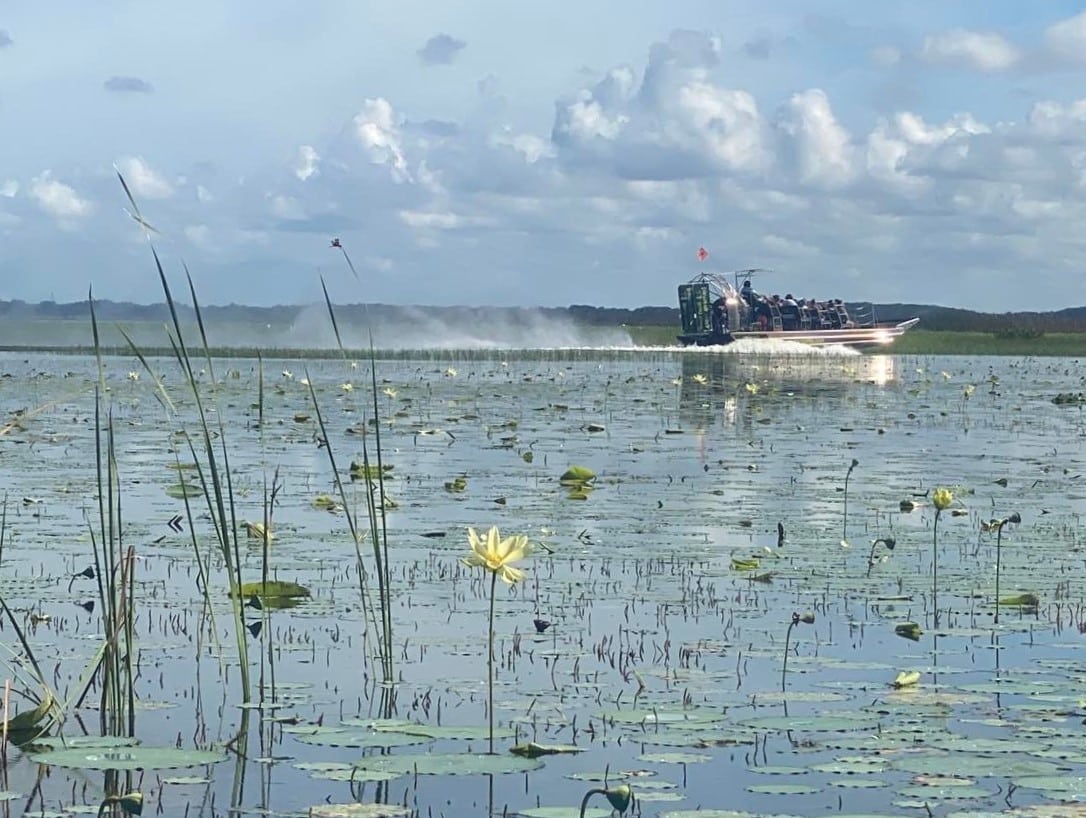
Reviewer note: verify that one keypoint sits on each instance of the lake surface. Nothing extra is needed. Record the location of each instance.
(669, 593)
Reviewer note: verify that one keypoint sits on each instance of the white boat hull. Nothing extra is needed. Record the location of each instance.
(857, 337)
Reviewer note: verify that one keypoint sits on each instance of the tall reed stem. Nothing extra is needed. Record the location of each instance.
(935, 568)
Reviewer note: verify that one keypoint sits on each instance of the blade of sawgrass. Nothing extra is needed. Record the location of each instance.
(220, 497)
(375, 506)
(102, 543)
(368, 615)
(160, 387)
(220, 501)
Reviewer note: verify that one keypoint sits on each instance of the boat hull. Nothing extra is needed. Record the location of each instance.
(856, 337)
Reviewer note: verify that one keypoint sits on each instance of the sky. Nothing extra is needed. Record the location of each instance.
(545, 154)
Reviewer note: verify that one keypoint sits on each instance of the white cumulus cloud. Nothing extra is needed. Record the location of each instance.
(58, 199)
(823, 148)
(143, 181)
(378, 131)
(307, 162)
(980, 50)
(1067, 38)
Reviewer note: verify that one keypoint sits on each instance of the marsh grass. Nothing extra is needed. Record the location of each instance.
(376, 507)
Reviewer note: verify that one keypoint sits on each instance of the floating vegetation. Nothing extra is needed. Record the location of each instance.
(578, 476)
(274, 593)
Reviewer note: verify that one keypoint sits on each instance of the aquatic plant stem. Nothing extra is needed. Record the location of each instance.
(490, 659)
(588, 795)
(787, 642)
(999, 542)
(844, 521)
(935, 569)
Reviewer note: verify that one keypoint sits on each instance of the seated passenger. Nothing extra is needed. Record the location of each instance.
(790, 316)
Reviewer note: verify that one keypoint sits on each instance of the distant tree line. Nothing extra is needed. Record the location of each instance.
(1008, 324)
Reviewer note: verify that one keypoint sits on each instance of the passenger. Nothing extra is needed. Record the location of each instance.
(720, 316)
(762, 313)
(747, 293)
(790, 314)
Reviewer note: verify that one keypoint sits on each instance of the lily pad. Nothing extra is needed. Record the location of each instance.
(577, 476)
(533, 750)
(564, 812)
(275, 593)
(336, 737)
(181, 491)
(126, 758)
(450, 764)
(783, 789)
(358, 811)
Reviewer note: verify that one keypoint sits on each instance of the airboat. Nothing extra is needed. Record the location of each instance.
(717, 310)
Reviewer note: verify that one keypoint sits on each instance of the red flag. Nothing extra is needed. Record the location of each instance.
(702, 254)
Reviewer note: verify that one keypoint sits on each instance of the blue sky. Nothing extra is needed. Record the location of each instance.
(546, 154)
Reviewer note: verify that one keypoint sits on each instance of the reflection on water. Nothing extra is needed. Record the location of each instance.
(733, 388)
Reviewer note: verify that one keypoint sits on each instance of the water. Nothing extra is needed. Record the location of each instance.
(663, 662)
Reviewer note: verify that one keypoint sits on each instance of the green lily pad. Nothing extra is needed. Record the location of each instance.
(814, 724)
(275, 593)
(180, 491)
(83, 742)
(1071, 785)
(919, 791)
(783, 789)
(577, 476)
(126, 758)
(336, 737)
(533, 750)
(674, 758)
(564, 812)
(450, 764)
(974, 766)
(357, 811)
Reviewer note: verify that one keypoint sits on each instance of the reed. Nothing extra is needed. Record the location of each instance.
(375, 500)
(212, 464)
(114, 570)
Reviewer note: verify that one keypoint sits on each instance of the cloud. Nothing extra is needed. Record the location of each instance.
(1067, 38)
(9, 188)
(128, 85)
(5, 39)
(378, 131)
(981, 51)
(307, 162)
(143, 181)
(676, 124)
(441, 49)
(58, 199)
(822, 148)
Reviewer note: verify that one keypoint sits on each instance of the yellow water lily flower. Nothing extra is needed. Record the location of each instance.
(942, 498)
(390, 392)
(497, 555)
(450, 372)
(257, 531)
(133, 376)
(752, 388)
(346, 387)
(699, 378)
(907, 678)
